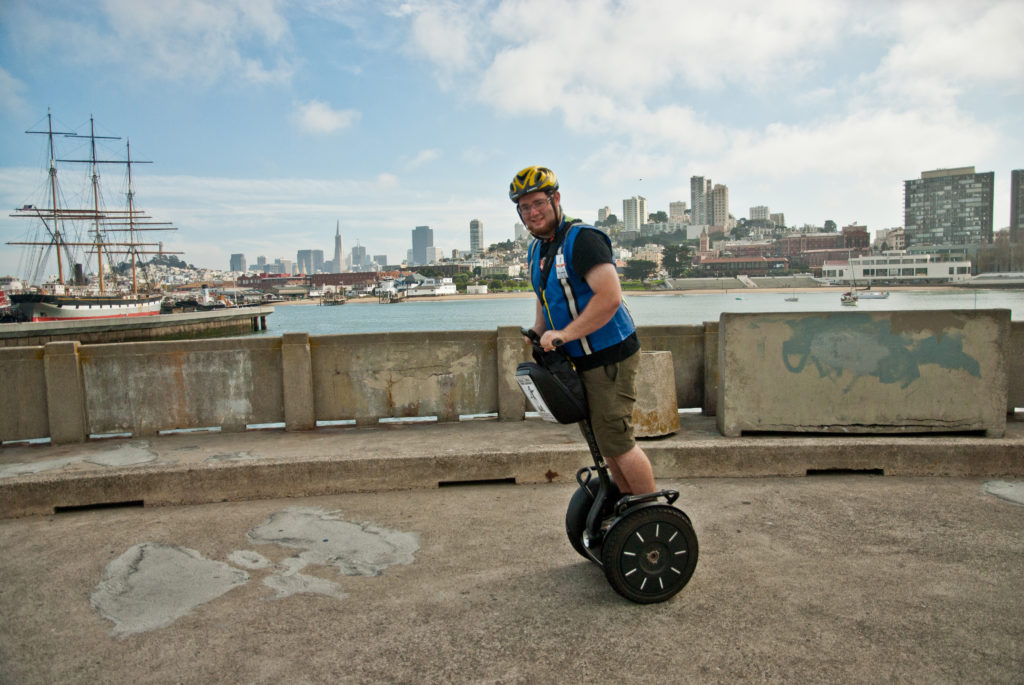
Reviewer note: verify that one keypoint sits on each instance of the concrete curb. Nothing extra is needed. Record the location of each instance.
(196, 468)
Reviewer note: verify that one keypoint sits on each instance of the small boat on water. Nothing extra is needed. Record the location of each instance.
(849, 299)
(794, 298)
(868, 294)
(74, 233)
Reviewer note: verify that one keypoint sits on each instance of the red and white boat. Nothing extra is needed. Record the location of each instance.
(46, 307)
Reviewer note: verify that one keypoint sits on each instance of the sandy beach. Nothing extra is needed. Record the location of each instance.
(632, 293)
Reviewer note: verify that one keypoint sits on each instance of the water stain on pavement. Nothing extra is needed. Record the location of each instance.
(131, 454)
(152, 585)
(1008, 491)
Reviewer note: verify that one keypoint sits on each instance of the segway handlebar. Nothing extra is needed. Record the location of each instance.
(535, 339)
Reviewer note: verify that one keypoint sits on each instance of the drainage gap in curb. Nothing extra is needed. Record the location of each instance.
(845, 472)
(98, 505)
(484, 481)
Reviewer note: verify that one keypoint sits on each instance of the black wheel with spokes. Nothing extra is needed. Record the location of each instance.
(579, 509)
(650, 554)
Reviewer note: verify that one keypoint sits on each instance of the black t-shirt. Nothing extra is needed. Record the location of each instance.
(590, 250)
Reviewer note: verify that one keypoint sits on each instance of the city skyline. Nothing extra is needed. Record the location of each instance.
(278, 119)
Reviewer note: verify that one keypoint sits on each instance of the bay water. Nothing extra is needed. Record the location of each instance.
(670, 308)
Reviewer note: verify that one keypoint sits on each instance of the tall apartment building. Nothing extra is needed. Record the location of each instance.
(1017, 206)
(699, 200)
(948, 206)
(309, 261)
(422, 238)
(304, 261)
(238, 262)
(476, 237)
(718, 211)
(634, 213)
(760, 213)
(676, 211)
(778, 218)
(602, 214)
(521, 233)
(359, 257)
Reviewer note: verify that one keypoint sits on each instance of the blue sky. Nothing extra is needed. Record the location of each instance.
(268, 121)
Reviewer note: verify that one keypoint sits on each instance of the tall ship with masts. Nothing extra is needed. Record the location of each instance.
(92, 234)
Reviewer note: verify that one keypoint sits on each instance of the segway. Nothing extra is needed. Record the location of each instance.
(646, 547)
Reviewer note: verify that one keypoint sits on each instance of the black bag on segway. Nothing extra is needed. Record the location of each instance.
(553, 387)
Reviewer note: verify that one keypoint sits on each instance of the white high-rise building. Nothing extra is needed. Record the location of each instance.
(760, 212)
(634, 213)
(698, 201)
(476, 237)
(676, 211)
(718, 214)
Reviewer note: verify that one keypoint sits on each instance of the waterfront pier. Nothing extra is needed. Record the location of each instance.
(185, 325)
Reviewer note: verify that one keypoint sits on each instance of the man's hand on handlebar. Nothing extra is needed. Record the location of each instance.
(552, 339)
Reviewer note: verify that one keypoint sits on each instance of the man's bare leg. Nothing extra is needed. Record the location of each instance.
(632, 472)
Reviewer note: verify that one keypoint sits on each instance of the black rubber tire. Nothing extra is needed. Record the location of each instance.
(579, 509)
(650, 554)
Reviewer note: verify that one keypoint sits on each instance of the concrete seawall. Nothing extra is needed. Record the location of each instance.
(68, 392)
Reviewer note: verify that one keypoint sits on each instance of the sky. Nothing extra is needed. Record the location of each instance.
(270, 122)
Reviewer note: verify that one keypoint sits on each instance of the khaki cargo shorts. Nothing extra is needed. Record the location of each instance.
(611, 394)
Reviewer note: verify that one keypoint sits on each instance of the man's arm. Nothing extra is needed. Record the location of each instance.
(603, 279)
(540, 324)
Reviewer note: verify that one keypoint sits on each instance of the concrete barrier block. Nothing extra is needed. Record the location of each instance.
(511, 350)
(710, 397)
(297, 380)
(65, 393)
(864, 372)
(22, 371)
(656, 412)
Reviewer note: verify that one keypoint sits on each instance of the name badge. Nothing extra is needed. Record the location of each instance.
(560, 269)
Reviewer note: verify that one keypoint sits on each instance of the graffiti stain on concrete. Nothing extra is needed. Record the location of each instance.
(858, 346)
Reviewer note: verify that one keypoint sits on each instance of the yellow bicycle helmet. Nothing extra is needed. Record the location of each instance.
(532, 179)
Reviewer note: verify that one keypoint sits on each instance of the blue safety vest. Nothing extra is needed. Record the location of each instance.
(566, 294)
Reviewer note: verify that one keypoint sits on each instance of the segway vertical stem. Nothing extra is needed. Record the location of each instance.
(648, 549)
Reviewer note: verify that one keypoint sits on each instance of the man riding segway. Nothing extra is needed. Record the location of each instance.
(648, 549)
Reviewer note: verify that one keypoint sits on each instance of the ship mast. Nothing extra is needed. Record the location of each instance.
(55, 232)
(131, 216)
(102, 220)
(96, 201)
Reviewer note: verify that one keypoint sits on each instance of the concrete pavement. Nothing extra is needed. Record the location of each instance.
(836, 579)
(851, 578)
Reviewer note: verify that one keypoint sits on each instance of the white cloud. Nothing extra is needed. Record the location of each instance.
(186, 40)
(12, 92)
(421, 158)
(318, 117)
(443, 33)
(946, 48)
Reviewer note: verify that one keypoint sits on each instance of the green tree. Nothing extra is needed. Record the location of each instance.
(638, 269)
(659, 217)
(675, 260)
